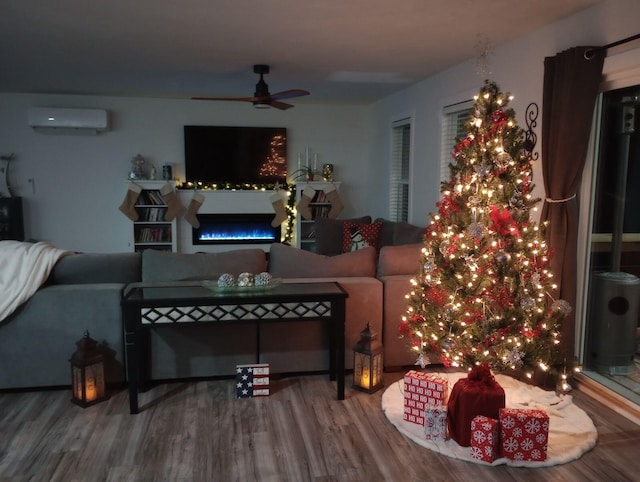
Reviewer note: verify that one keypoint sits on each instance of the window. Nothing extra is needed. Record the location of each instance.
(453, 126)
(400, 167)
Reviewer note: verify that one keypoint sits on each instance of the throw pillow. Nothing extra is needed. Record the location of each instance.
(289, 262)
(405, 233)
(329, 234)
(357, 236)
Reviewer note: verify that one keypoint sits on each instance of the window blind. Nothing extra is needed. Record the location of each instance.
(454, 125)
(400, 169)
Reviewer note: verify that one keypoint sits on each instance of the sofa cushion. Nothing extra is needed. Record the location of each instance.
(84, 268)
(357, 236)
(395, 260)
(394, 233)
(167, 266)
(405, 233)
(289, 262)
(329, 234)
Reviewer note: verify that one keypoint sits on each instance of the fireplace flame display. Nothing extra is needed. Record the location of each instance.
(235, 229)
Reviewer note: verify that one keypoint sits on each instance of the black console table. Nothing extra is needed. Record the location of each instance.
(191, 303)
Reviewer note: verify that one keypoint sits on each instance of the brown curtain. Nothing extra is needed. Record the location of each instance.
(571, 81)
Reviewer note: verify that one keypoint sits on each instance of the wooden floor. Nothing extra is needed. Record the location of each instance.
(198, 431)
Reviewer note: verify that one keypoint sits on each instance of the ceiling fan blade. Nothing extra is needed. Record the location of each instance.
(242, 99)
(279, 105)
(289, 94)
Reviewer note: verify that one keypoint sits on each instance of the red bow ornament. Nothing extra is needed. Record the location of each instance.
(502, 222)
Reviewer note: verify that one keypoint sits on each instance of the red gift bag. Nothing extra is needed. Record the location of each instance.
(478, 394)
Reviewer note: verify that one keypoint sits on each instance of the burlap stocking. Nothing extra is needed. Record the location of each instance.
(174, 207)
(128, 206)
(336, 204)
(192, 210)
(303, 205)
(278, 206)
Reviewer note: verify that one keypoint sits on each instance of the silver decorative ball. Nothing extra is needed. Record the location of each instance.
(502, 257)
(225, 280)
(528, 303)
(475, 230)
(263, 279)
(245, 279)
(561, 306)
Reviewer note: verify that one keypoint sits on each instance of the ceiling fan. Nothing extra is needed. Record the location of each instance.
(261, 97)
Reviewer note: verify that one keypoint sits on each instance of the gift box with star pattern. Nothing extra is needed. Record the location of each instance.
(252, 380)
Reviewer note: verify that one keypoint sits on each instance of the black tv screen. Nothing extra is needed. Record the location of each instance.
(235, 155)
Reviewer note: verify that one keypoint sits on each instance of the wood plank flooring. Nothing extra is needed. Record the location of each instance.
(198, 431)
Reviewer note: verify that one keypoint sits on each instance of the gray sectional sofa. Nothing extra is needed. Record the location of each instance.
(84, 292)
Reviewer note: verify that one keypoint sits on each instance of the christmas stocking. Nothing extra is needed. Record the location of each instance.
(128, 206)
(278, 206)
(336, 204)
(192, 210)
(303, 205)
(173, 203)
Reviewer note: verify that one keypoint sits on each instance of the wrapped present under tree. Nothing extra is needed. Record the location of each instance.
(420, 391)
(485, 438)
(524, 434)
(477, 394)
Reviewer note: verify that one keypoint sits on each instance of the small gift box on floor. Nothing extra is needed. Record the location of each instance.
(420, 390)
(485, 438)
(252, 380)
(477, 394)
(524, 434)
(435, 422)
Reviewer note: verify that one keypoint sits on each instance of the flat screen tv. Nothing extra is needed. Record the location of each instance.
(235, 155)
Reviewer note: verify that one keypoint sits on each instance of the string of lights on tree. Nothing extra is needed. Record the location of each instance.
(484, 293)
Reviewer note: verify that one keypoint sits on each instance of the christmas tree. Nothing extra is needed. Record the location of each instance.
(484, 293)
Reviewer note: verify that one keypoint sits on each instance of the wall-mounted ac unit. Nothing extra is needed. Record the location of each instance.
(68, 121)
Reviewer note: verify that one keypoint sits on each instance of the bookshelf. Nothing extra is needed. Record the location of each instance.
(151, 230)
(320, 207)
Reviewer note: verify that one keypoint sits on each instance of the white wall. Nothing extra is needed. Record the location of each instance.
(517, 67)
(79, 181)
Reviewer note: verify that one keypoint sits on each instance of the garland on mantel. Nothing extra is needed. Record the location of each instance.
(289, 188)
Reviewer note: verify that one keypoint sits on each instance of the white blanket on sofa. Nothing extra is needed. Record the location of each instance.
(24, 267)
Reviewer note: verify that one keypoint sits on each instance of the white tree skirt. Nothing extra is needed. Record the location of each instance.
(571, 431)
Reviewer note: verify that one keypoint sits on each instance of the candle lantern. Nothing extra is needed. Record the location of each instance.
(367, 362)
(87, 373)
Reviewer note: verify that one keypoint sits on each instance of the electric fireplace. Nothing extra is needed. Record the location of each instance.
(235, 229)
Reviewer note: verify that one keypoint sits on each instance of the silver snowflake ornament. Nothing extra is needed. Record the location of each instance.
(515, 356)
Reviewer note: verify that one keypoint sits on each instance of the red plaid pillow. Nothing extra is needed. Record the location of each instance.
(358, 235)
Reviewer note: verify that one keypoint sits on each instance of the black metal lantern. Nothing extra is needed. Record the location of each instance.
(87, 373)
(367, 362)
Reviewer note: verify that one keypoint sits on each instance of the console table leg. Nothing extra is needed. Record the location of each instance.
(340, 351)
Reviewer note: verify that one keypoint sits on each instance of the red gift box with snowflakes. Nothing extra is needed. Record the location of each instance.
(420, 391)
(435, 422)
(485, 438)
(524, 434)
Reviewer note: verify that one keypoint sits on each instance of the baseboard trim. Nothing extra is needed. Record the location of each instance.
(608, 397)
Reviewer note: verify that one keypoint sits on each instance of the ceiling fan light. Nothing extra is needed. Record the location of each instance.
(261, 105)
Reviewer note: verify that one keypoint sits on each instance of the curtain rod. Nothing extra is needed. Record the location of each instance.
(588, 54)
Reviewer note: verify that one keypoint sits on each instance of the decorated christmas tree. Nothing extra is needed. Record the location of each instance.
(484, 293)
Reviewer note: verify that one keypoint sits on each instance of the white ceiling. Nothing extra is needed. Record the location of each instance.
(340, 50)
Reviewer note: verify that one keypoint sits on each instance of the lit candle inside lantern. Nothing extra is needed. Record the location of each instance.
(91, 389)
(365, 378)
